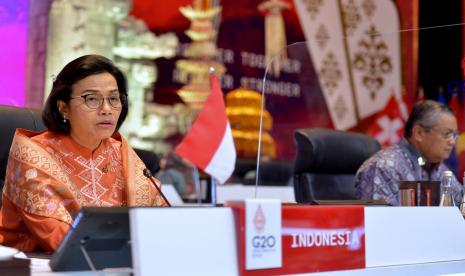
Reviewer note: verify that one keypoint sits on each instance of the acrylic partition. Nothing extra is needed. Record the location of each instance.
(361, 79)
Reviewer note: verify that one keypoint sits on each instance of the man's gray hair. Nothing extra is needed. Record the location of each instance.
(426, 115)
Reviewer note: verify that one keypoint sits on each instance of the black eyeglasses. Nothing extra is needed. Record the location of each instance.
(95, 101)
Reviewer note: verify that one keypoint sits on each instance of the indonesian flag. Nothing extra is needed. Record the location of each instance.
(388, 127)
(209, 143)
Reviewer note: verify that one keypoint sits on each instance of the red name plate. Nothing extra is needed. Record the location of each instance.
(314, 238)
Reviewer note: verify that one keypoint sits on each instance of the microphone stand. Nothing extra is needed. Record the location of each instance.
(149, 175)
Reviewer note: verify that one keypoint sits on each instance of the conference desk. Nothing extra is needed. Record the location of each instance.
(236, 191)
(399, 241)
(438, 268)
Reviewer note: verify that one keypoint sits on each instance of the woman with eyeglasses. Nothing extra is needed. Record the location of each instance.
(81, 160)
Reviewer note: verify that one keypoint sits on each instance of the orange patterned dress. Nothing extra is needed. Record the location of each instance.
(50, 177)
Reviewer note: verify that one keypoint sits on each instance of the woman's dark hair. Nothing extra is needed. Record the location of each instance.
(73, 72)
(425, 114)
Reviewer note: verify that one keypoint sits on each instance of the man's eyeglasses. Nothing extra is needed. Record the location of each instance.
(95, 101)
(448, 135)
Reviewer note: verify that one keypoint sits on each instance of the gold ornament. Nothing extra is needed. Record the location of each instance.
(243, 108)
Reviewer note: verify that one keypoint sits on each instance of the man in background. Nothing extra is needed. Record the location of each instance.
(430, 133)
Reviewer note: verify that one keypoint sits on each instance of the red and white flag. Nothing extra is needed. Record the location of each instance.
(209, 143)
(388, 128)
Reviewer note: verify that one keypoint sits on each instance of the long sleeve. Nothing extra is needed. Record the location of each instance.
(48, 232)
(29, 232)
(457, 191)
(375, 183)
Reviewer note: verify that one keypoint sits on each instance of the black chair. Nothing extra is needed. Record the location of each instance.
(272, 172)
(12, 118)
(327, 161)
(275, 173)
(151, 160)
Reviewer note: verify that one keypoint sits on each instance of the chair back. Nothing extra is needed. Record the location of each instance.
(327, 161)
(11, 119)
(150, 159)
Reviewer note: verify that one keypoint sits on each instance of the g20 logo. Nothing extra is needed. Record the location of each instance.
(263, 241)
(454, 87)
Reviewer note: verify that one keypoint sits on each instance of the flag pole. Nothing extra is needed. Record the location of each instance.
(213, 191)
(197, 185)
(211, 70)
(217, 157)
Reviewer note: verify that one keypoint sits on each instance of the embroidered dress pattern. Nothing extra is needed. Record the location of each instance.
(55, 177)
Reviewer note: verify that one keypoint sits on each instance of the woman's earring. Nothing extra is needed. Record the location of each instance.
(64, 120)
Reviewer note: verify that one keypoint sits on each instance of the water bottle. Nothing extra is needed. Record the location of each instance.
(446, 189)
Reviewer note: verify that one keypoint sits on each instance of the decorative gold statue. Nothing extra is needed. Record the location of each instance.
(275, 34)
(243, 108)
(200, 54)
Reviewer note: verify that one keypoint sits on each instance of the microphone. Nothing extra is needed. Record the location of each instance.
(149, 175)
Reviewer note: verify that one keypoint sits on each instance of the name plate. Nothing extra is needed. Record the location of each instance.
(262, 234)
(313, 238)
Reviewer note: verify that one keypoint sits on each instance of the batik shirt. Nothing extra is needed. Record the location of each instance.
(380, 175)
(49, 177)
